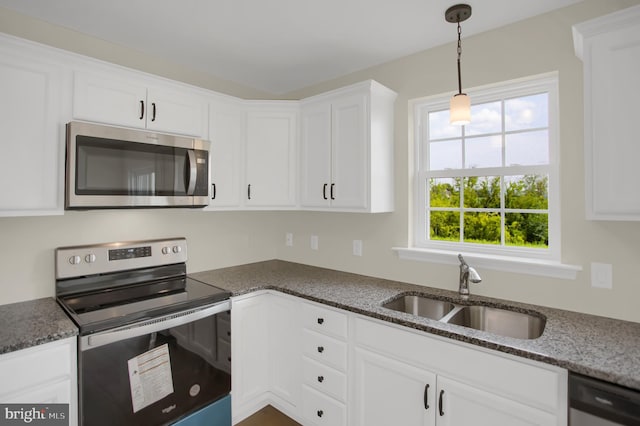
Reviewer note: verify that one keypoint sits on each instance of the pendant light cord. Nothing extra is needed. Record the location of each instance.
(459, 54)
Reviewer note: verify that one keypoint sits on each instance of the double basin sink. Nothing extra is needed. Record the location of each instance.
(498, 321)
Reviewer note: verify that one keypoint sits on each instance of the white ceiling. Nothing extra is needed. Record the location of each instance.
(277, 45)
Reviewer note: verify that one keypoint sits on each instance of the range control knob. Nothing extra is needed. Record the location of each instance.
(74, 260)
(90, 258)
(166, 250)
(177, 249)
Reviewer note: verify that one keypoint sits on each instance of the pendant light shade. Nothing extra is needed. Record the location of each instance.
(460, 106)
(460, 109)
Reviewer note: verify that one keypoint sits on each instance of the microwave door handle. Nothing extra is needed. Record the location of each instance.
(193, 172)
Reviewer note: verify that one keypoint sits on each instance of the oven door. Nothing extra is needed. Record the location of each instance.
(109, 167)
(159, 371)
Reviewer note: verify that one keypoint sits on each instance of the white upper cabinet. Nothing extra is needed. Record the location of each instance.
(36, 104)
(347, 149)
(609, 46)
(226, 166)
(270, 155)
(125, 99)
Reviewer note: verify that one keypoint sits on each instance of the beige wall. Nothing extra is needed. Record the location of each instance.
(218, 239)
(534, 46)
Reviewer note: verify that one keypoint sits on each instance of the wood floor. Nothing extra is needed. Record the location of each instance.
(268, 416)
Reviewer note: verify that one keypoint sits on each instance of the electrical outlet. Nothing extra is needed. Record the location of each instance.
(602, 275)
(314, 242)
(288, 239)
(357, 247)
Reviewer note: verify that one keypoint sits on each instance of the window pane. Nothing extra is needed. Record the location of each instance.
(445, 226)
(527, 230)
(526, 192)
(527, 112)
(439, 127)
(444, 192)
(483, 152)
(485, 118)
(482, 192)
(445, 155)
(482, 228)
(527, 149)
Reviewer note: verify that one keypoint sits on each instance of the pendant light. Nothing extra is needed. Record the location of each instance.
(460, 105)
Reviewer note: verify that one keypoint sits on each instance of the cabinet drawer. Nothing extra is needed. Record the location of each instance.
(324, 379)
(495, 372)
(323, 320)
(55, 393)
(33, 366)
(325, 349)
(319, 409)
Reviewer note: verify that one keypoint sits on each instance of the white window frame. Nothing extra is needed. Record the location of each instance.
(515, 259)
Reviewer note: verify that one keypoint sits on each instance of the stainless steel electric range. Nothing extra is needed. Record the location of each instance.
(154, 345)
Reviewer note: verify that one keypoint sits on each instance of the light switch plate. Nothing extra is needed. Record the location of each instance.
(601, 275)
(357, 247)
(288, 239)
(314, 242)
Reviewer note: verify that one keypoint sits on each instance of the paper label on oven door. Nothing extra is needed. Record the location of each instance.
(150, 377)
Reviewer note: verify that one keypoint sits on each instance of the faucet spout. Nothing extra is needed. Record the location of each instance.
(467, 274)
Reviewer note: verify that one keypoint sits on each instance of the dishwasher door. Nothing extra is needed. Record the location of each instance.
(596, 403)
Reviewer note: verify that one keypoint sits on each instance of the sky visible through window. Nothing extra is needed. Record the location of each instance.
(483, 136)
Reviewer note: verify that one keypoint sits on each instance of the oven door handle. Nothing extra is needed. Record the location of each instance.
(152, 325)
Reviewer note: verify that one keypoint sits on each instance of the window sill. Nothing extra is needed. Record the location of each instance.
(545, 268)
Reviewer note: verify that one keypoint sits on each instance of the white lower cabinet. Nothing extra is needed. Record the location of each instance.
(324, 366)
(391, 392)
(460, 404)
(265, 354)
(388, 392)
(409, 378)
(42, 374)
(325, 359)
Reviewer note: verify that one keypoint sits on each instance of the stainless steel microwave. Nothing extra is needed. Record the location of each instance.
(113, 167)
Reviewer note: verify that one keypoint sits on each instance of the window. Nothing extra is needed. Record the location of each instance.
(490, 186)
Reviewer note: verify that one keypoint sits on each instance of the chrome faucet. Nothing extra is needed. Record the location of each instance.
(467, 273)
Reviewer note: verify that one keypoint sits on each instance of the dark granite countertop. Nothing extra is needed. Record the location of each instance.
(31, 323)
(599, 347)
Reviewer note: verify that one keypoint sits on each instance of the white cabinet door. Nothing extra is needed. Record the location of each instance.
(249, 352)
(42, 374)
(461, 405)
(175, 110)
(347, 150)
(35, 105)
(610, 48)
(315, 147)
(350, 154)
(284, 350)
(226, 133)
(388, 392)
(130, 101)
(109, 100)
(271, 158)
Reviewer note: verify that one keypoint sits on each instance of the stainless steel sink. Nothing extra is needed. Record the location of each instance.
(421, 306)
(498, 321)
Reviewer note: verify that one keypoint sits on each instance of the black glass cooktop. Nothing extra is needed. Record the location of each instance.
(108, 301)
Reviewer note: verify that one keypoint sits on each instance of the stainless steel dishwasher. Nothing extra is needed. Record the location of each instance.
(596, 403)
